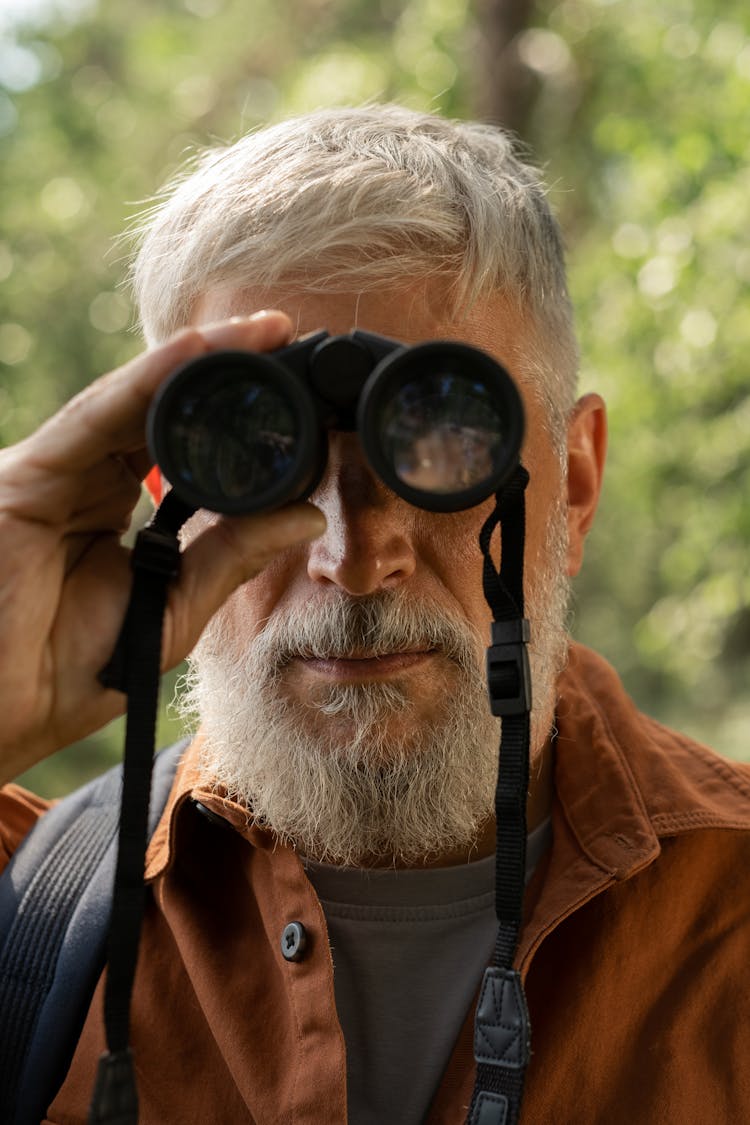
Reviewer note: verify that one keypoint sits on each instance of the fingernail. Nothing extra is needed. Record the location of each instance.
(223, 331)
(248, 318)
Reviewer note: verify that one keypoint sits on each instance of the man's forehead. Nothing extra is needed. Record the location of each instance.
(409, 313)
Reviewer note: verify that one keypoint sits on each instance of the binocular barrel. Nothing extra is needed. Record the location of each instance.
(441, 423)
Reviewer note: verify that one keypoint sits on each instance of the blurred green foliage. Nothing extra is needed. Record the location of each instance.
(645, 115)
(640, 118)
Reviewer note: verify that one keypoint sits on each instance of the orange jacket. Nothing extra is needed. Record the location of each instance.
(635, 949)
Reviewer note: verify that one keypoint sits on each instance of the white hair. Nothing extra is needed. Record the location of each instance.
(356, 774)
(349, 200)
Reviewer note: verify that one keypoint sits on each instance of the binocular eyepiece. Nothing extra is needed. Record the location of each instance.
(441, 423)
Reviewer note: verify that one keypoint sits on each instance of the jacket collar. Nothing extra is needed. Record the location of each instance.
(622, 783)
(623, 776)
(189, 787)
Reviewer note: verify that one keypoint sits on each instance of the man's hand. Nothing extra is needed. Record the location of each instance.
(66, 496)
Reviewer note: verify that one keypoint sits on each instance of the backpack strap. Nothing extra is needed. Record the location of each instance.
(55, 898)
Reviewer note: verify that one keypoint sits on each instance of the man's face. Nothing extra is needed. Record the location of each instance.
(370, 640)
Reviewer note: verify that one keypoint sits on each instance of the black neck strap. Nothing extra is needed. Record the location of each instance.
(502, 1029)
(135, 670)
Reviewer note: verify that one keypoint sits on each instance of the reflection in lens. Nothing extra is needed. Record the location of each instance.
(238, 440)
(443, 433)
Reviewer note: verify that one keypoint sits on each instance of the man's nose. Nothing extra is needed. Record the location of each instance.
(368, 544)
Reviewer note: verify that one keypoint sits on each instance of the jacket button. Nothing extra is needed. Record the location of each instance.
(294, 941)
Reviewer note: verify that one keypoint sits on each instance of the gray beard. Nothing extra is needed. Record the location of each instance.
(355, 776)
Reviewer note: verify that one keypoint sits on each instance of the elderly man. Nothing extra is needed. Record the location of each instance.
(343, 774)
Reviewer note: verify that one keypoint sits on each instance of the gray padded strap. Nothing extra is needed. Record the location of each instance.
(55, 898)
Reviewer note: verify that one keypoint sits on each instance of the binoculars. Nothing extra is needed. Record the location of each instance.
(441, 423)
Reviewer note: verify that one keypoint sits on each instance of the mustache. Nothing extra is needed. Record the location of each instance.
(342, 627)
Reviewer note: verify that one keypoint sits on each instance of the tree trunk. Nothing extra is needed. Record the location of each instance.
(505, 88)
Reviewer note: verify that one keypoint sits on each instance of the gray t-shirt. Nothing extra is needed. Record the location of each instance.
(409, 950)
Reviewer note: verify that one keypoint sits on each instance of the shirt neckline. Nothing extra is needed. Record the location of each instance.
(418, 887)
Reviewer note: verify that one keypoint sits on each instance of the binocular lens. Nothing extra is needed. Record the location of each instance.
(239, 441)
(442, 434)
(442, 424)
(232, 435)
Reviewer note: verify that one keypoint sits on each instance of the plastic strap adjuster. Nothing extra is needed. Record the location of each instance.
(156, 551)
(490, 1109)
(508, 671)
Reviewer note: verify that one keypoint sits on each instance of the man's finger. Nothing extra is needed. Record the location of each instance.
(225, 554)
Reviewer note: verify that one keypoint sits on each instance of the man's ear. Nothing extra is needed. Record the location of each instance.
(587, 451)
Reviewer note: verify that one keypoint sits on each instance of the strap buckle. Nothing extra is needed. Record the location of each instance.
(508, 671)
(157, 551)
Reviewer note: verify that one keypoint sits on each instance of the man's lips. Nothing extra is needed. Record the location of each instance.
(364, 667)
